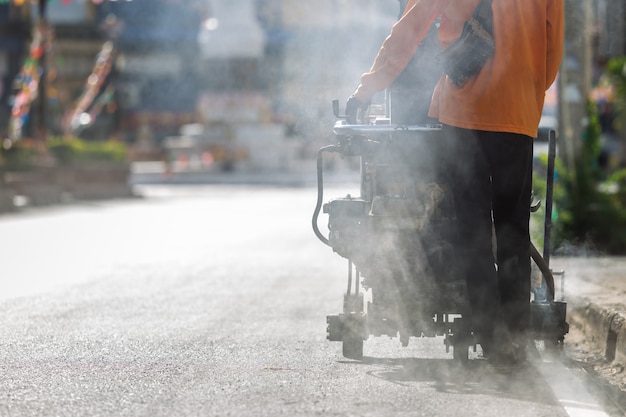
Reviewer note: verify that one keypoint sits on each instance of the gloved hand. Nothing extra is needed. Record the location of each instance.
(355, 109)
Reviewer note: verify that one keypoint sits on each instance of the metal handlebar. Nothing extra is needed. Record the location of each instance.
(343, 129)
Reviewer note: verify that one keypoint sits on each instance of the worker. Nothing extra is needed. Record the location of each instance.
(489, 123)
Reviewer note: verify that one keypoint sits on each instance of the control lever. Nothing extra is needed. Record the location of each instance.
(336, 110)
(362, 115)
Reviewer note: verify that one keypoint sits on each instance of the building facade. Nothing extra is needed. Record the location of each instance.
(189, 61)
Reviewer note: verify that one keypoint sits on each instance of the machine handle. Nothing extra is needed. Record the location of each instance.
(545, 271)
(547, 232)
(320, 193)
(342, 129)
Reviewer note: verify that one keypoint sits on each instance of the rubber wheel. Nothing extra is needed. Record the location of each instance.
(353, 347)
(553, 345)
(460, 352)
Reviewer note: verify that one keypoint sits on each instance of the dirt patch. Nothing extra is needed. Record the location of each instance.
(608, 378)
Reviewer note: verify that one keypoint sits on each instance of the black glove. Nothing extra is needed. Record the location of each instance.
(355, 109)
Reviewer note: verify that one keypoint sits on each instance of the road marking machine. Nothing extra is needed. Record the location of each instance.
(396, 235)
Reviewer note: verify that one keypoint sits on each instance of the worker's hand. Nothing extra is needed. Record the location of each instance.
(355, 110)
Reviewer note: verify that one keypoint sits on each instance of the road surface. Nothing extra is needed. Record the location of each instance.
(212, 301)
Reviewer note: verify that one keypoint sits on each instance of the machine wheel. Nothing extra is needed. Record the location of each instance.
(353, 347)
(461, 340)
(553, 345)
(460, 352)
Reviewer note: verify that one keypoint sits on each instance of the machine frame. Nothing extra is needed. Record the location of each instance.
(395, 236)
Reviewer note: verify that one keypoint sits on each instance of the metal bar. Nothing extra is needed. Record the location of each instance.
(349, 277)
(342, 129)
(547, 234)
(320, 193)
(548, 278)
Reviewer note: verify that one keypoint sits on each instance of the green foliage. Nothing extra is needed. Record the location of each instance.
(73, 150)
(616, 69)
(591, 212)
(19, 157)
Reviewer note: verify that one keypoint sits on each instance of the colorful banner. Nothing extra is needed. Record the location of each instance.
(21, 2)
(27, 83)
(81, 116)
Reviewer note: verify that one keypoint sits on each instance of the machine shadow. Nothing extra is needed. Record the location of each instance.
(472, 378)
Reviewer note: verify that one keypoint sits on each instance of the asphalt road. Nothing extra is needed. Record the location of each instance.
(211, 301)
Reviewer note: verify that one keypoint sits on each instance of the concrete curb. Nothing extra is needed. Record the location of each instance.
(47, 186)
(604, 326)
(241, 177)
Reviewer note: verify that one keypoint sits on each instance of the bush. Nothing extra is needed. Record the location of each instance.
(72, 150)
(591, 210)
(19, 157)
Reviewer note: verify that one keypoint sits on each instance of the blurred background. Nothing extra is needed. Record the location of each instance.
(202, 83)
(94, 92)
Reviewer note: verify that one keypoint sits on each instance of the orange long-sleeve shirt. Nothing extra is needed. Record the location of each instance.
(508, 94)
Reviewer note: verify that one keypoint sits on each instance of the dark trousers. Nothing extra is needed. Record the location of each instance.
(490, 175)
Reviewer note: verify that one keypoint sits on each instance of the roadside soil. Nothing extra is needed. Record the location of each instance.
(606, 378)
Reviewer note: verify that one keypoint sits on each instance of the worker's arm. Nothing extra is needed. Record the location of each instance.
(399, 47)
